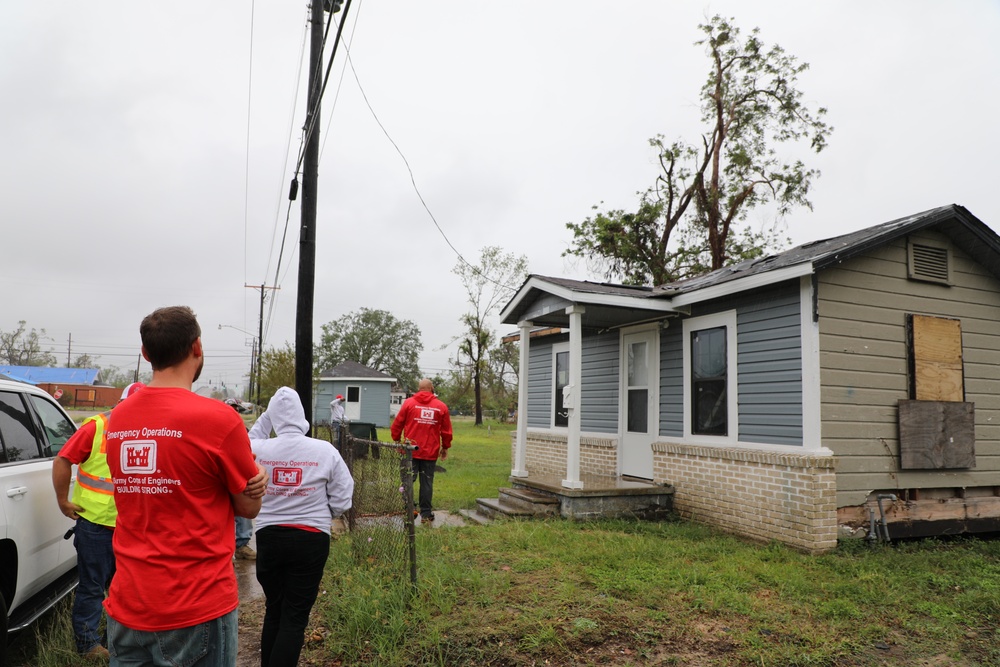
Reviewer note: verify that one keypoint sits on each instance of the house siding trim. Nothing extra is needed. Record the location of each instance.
(791, 498)
(812, 422)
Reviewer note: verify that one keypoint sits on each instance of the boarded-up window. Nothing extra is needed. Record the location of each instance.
(937, 435)
(937, 428)
(936, 359)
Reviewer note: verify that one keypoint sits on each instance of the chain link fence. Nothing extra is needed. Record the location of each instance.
(381, 521)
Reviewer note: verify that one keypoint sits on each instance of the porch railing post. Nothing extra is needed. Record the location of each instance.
(572, 480)
(520, 468)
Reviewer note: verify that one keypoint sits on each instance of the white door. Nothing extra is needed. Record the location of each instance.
(639, 396)
(352, 404)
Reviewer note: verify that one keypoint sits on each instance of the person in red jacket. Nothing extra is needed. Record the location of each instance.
(425, 422)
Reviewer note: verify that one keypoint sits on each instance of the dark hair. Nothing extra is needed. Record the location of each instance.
(168, 334)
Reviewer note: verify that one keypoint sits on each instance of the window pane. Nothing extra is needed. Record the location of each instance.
(561, 417)
(708, 353)
(16, 429)
(353, 394)
(57, 428)
(709, 398)
(638, 370)
(638, 408)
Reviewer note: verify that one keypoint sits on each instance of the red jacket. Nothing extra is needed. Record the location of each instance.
(426, 423)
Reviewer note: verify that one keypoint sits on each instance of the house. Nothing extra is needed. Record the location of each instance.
(366, 392)
(846, 387)
(72, 387)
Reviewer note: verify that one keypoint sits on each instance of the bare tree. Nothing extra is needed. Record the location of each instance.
(489, 285)
(21, 347)
(684, 224)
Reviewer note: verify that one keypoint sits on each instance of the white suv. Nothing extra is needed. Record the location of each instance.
(37, 565)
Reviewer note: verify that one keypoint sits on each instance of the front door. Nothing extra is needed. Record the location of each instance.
(639, 396)
(352, 404)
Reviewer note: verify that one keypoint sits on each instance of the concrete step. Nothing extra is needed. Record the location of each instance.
(538, 504)
(473, 516)
(493, 508)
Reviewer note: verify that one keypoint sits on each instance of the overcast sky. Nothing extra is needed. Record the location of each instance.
(146, 149)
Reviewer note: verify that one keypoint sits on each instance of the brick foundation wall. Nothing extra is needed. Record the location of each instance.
(545, 454)
(791, 498)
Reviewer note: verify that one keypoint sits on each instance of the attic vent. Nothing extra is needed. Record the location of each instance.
(929, 262)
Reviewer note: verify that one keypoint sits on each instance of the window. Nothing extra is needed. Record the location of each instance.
(16, 430)
(56, 427)
(708, 382)
(710, 402)
(560, 378)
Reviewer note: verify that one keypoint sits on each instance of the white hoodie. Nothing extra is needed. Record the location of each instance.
(309, 484)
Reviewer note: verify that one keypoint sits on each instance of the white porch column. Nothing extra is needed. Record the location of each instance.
(572, 480)
(520, 469)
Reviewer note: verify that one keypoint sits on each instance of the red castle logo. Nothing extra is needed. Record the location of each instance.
(138, 456)
(287, 476)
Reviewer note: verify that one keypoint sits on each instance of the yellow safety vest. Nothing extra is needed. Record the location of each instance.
(94, 490)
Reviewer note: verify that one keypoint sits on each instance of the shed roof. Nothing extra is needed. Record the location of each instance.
(354, 371)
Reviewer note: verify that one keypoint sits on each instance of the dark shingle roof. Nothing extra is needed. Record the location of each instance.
(967, 231)
(353, 369)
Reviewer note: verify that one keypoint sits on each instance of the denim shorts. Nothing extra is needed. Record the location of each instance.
(209, 644)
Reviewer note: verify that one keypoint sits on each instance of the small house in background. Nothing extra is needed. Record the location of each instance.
(367, 394)
(75, 388)
(396, 398)
(845, 387)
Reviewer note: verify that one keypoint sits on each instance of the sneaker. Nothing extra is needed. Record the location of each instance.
(427, 517)
(97, 653)
(245, 553)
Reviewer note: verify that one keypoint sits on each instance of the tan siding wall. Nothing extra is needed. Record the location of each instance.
(763, 495)
(863, 359)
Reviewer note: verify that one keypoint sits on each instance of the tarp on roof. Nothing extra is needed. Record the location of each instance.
(49, 375)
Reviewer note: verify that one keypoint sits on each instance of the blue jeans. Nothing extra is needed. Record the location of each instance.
(424, 472)
(208, 644)
(95, 562)
(290, 565)
(244, 531)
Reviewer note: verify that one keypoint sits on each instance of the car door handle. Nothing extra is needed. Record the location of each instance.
(17, 491)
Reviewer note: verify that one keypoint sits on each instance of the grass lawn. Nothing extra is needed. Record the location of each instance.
(623, 592)
(631, 593)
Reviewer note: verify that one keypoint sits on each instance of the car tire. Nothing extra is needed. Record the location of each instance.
(3, 632)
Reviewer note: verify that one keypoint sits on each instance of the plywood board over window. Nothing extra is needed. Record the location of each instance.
(937, 435)
(936, 358)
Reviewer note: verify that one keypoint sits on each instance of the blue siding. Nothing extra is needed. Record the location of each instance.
(671, 387)
(769, 366)
(769, 358)
(374, 400)
(540, 382)
(599, 394)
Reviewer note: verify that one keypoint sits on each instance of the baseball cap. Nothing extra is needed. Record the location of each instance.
(131, 389)
(340, 397)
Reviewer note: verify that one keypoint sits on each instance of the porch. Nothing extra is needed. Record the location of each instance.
(600, 497)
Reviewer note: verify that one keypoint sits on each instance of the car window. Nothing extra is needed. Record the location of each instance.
(56, 427)
(16, 431)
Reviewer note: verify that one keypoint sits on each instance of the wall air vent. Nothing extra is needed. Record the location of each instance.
(929, 262)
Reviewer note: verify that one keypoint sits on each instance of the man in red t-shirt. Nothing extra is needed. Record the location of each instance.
(182, 470)
(426, 423)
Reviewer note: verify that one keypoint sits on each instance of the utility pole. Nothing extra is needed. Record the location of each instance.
(260, 340)
(307, 232)
(69, 351)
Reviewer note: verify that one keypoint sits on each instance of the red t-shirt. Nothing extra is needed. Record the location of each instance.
(175, 458)
(77, 449)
